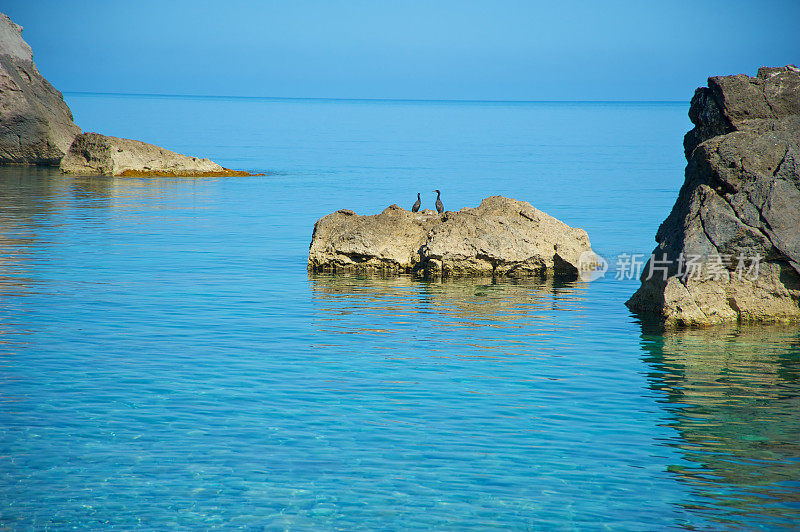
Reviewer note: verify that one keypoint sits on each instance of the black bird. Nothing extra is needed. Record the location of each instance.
(439, 204)
(415, 207)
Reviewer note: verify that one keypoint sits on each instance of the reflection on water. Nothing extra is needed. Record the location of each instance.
(509, 302)
(729, 427)
(27, 192)
(25, 198)
(734, 395)
(54, 228)
(457, 316)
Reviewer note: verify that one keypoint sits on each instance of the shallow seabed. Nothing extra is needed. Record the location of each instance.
(167, 362)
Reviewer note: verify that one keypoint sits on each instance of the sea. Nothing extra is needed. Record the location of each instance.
(167, 362)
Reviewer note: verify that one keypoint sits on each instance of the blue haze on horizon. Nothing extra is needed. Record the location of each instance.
(501, 50)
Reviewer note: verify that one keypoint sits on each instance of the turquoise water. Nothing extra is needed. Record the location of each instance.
(167, 362)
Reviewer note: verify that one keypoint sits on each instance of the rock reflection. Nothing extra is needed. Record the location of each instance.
(734, 396)
(33, 190)
(101, 191)
(41, 214)
(456, 302)
(28, 192)
(25, 196)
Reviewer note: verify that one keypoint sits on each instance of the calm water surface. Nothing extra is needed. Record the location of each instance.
(167, 362)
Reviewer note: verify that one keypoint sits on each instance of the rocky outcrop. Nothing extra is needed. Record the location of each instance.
(501, 237)
(35, 124)
(95, 154)
(36, 127)
(730, 248)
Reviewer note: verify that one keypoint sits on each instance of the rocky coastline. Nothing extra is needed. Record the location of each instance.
(730, 248)
(36, 124)
(37, 128)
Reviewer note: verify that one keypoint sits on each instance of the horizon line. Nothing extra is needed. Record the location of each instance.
(339, 99)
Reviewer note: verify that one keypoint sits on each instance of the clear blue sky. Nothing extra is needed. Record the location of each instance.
(499, 49)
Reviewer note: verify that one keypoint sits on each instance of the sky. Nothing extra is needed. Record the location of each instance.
(474, 50)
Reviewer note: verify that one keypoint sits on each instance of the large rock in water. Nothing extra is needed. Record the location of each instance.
(738, 211)
(501, 237)
(95, 154)
(35, 124)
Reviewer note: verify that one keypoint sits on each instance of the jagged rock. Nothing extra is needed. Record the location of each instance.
(35, 124)
(501, 237)
(740, 200)
(95, 154)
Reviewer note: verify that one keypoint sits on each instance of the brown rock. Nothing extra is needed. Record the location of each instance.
(35, 124)
(95, 154)
(501, 237)
(740, 201)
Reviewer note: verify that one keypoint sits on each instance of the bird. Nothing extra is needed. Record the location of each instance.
(415, 207)
(439, 204)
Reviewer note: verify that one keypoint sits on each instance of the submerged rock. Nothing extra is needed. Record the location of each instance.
(738, 212)
(95, 154)
(36, 125)
(501, 237)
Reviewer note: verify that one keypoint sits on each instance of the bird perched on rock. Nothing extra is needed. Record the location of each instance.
(439, 204)
(415, 207)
